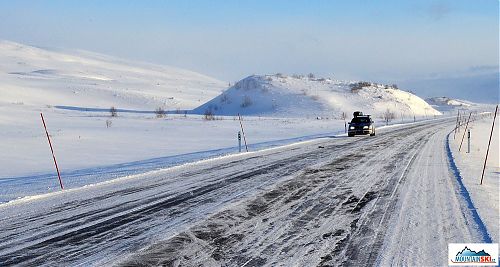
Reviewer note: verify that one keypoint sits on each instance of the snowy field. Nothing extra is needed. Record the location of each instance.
(88, 152)
(90, 146)
(486, 196)
(82, 140)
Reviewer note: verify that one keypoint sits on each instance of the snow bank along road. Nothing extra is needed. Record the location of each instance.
(388, 199)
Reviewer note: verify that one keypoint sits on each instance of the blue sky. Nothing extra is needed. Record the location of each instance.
(357, 39)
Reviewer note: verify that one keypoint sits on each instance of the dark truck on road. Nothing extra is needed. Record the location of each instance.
(361, 124)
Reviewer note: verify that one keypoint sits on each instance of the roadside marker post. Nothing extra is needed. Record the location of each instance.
(239, 141)
(489, 142)
(243, 132)
(468, 141)
(465, 130)
(52, 150)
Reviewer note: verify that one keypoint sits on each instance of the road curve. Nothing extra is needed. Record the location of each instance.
(323, 202)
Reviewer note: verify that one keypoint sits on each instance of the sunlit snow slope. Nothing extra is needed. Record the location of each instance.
(303, 96)
(34, 76)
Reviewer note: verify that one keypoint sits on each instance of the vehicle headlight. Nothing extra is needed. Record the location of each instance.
(365, 127)
(352, 127)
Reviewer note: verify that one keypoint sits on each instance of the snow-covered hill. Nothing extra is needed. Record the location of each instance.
(446, 101)
(35, 76)
(279, 95)
(450, 105)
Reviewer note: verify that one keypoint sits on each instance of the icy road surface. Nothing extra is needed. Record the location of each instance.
(388, 199)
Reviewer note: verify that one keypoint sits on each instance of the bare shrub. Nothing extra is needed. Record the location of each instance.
(160, 112)
(355, 88)
(395, 86)
(388, 116)
(113, 112)
(315, 97)
(310, 75)
(108, 123)
(247, 101)
(209, 115)
(280, 75)
(225, 99)
(343, 116)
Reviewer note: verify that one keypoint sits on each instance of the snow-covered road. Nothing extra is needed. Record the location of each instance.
(332, 201)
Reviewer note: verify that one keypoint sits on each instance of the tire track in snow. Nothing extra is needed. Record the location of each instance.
(430, 214)
(288, 224)
(95, 226)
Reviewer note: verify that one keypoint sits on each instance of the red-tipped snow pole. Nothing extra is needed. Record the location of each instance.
(243, 132)
(489, 142)
(52, 150)
(466, 125)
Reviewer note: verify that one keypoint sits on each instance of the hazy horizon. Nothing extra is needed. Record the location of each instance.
(432, 47)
